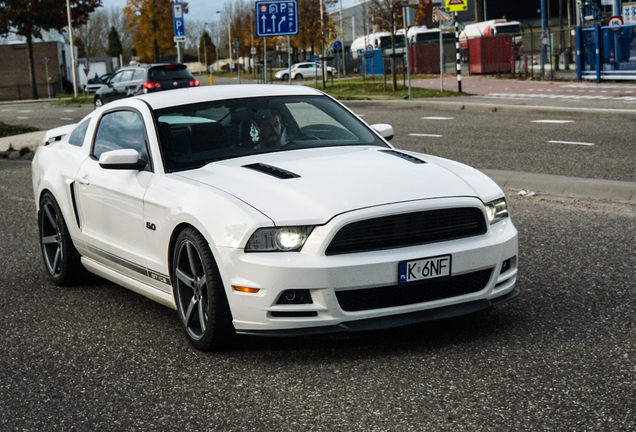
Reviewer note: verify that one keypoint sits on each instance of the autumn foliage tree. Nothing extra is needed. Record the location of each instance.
(150, 23)
(29, 18)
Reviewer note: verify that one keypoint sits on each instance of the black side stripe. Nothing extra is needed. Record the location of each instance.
(130, 265)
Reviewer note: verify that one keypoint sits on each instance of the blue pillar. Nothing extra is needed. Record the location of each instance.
(579, 54)
(543, 35)
(597, 42)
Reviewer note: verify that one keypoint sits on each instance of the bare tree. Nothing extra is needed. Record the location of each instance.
(386, 14)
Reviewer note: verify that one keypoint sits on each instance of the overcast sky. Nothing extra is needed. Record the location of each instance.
(203, 10)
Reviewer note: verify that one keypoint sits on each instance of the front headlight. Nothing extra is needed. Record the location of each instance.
(496, 210)
(283, 239)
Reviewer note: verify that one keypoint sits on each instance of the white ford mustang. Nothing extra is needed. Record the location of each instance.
(269, 210)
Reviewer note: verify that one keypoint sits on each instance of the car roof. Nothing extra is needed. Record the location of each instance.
(160, 100)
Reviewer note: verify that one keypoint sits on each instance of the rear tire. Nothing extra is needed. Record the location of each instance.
(202, 305)
(61, 260)
(98, 102)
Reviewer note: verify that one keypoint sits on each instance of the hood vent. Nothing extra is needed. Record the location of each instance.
(404, 156)
(272, 170)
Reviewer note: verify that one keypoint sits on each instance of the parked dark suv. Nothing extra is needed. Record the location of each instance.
(144, 78)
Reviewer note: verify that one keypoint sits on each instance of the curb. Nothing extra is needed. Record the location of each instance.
(591, 188)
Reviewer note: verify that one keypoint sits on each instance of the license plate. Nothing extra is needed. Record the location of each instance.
(425, 268)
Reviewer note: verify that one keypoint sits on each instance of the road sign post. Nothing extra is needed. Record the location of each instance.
(275, 18)
(179, 27)
(441, 16)
(457, 6)
(236, 45)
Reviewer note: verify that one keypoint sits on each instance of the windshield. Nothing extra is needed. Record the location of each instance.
(194, 135)
(511, 29)
(385, 42)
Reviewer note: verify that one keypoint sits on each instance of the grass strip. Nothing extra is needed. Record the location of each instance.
(10, 130)
(358, 88)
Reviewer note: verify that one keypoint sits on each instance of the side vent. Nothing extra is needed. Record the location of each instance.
(404, 156)
(272, 170)
(77, 219)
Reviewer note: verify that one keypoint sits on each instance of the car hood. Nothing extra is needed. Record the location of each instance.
(317, 184)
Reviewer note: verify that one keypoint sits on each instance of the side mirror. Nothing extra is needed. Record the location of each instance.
(124, 159)
(385, 130)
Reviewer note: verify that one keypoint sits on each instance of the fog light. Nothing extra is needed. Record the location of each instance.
(298, 296)
(505, 266)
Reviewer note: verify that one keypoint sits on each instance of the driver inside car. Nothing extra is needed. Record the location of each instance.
(267, 130)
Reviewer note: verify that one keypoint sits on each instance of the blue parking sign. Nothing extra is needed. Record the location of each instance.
(177, 19)
(276, 18)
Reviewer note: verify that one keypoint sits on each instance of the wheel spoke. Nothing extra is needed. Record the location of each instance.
(49, 239)
(187, 280)
(190, 312)
(193, 258)
(51, 216)
(202, 319)
(56, 260)
(202, 283)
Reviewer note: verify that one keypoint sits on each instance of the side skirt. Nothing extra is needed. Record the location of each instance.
(152, 293)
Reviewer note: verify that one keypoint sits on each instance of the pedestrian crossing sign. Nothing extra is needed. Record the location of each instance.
(456, 5)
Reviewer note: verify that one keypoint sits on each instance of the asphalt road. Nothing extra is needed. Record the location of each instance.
(557, 143)
(43, 115)
(562, 356)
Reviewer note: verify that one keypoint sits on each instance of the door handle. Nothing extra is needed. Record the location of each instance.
(84, 180)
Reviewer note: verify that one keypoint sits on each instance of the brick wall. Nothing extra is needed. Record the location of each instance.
(14, 70)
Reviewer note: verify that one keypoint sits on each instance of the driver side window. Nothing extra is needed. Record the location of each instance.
(121, 130)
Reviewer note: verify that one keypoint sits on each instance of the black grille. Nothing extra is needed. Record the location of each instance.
(412, 293)
(409, 229)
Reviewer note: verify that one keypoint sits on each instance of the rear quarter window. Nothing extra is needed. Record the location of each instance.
(78, 134)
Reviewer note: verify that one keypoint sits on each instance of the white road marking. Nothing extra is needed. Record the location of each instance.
(22, 118)
(69, 110)
(571, 142)
(25, 111)
(438, 118)
(426, 135)
(553, 121)
(7, 109)
(66, 119)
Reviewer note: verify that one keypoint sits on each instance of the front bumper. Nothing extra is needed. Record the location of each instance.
(327, 276)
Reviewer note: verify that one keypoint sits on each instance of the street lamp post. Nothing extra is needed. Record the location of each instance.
(205, 48)
(70, 37)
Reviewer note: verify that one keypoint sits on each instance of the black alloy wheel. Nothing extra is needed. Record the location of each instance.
(61, 259)
(201, 302)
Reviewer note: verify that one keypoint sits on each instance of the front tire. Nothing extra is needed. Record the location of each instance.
(98, 102)
(61, 259)
(198, 290)
(298, 76)
(285, 77)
